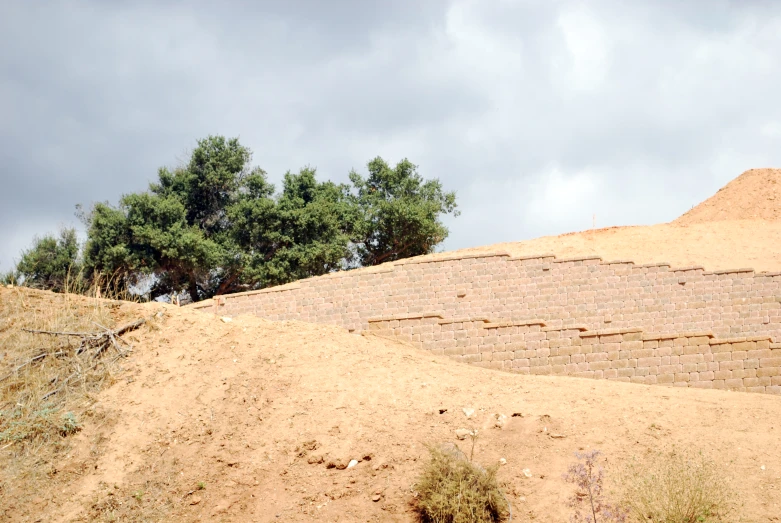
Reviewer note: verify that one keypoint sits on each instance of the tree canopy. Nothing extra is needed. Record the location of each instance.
(216, 225)
(51, 263)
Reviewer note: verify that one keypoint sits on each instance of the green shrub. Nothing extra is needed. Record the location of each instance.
(452, 489)
(678, 487)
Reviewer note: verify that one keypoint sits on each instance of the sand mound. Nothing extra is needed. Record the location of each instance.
(754, 195)
(252, 420)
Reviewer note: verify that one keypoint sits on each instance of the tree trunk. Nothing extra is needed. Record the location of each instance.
(193, 290)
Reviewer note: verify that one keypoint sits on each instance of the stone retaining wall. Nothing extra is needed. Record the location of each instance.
(589, 317)
(587, 291)
(694, 359)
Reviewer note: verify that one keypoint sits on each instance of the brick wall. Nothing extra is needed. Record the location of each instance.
(561, 295)
(693, 359)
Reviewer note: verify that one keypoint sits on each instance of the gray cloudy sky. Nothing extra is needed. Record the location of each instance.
(538, 113)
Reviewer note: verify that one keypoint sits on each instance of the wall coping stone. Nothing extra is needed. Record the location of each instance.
(463, 319)
(673, 335)
(690, 268)
(578, 327)
(731, 271)
(617, 262)
(513, 323)
(277, 288)
(414, 261)
(610, 332)
(577, 259)
(410, 316)
(532, 257)
(741, 339)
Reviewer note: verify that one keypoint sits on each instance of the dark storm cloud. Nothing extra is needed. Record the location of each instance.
(540, 114)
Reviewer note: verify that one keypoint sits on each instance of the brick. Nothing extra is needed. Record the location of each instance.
(770, 362)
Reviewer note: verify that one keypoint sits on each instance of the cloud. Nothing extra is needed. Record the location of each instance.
(635, 111)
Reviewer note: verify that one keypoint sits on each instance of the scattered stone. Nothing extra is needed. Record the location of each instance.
(376, 498)
(500, 420)
(315, 459)
(353, 462)
(762, 467)
(463, 433)
(226, 319)
(310, 445)
(517, 415)
(527, 473)
(442, 411)
(557, 436)
(195, 500)
(502, 461)
(468, 412)
(337, 463)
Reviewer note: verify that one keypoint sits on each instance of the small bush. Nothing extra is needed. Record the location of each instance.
(588, 477)
(678, 487)
(452, 489)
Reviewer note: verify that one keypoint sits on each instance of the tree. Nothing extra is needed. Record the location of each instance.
(178, 231)
(399, 212)
(51, 263)
(215, 225)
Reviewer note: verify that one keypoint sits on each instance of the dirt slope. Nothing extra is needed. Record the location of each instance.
(754, 195)
(255, 411)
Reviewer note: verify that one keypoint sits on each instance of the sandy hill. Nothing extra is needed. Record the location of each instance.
(754, 195)
(265, 416)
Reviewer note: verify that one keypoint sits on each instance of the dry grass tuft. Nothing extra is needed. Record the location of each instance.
(452, 489)
(680, 486)
(45, 382)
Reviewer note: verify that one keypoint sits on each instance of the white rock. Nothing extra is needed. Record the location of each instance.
(468, 412)
(353, 462)
(527, 473)
(502, 461)
(226, 319)
(463, 433)
(499, 420)
(762, 467)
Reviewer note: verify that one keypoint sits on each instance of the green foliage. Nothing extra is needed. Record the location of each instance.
(304, 232)
(215, 225)
(452, 489)
(678, 487)
(399, 212)
(50, 263)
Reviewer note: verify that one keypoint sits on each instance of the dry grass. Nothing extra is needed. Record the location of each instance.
(452, 489)
(45, 385)
(679, 486)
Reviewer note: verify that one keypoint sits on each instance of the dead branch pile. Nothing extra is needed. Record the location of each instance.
(91, 347)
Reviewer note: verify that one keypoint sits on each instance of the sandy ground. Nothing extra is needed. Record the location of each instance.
(257, 411)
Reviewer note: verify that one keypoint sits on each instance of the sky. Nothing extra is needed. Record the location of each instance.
(545, 117)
